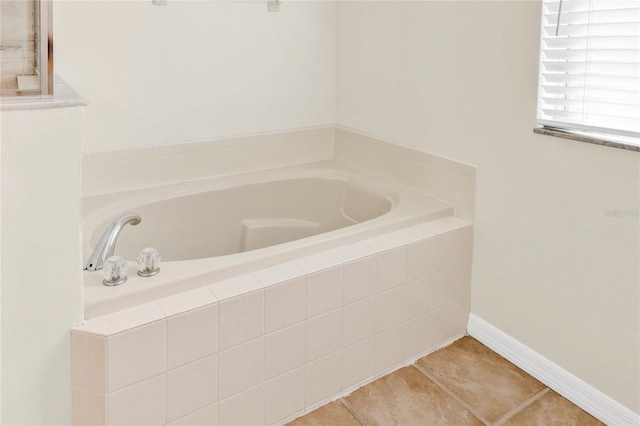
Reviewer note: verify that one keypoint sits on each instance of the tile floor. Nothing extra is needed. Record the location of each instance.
(463, 384)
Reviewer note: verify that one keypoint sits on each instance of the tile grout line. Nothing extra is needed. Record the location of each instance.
(452, 394)
(353, 411)
(521, 407)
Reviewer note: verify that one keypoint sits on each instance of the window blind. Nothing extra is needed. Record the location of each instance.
(590, 66)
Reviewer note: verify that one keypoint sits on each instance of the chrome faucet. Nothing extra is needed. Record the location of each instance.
(107, 243)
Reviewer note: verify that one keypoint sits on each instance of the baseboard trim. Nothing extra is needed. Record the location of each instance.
(560, 380)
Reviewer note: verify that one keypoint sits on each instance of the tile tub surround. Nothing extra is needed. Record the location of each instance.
(116, 171)
(267, 347)
(447, 180)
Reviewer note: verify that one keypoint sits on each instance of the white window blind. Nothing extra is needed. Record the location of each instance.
(590, 66)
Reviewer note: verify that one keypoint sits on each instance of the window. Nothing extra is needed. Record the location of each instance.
(26, 51)
(590, 69)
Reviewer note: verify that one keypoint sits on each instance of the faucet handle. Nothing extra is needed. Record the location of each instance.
(115, 271)
(148, 262)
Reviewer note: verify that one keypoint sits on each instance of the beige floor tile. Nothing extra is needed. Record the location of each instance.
(406, 397)
(491, 385)
(332, 414)
(552, 409)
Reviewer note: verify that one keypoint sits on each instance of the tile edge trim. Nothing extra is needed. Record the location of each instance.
(585, 396)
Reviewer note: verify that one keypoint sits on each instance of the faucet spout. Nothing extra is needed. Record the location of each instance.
(107, 243)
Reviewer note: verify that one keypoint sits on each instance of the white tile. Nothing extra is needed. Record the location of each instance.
(79, 360)
(360, 279)
(278, 273)
(390, 348)
(322, 379)
(192, 387)
(423, 335)
(283, 396)
(413, 234)
(134, 317)
(317, 262)
(442, 325)
(352, 252)
(324, 291)
(240, 368)
(140, 404)
(97, 363)
(445, 224)
(88, 408)
(94, 326)
(421, 257)
(392, 268)
(240, 319)
(391, 308)
(358, 363)
(208, 416)
(243, 409)
(285, 304)
(358, 321)
(136, 355)
(440, 252)
(440, 288)
(236, 286)
(192, 335)
(324, 335)
(457, 246)
(383, 242)
(186, 301)
(284, 350)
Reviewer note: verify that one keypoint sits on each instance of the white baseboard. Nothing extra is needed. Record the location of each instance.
(555, 377)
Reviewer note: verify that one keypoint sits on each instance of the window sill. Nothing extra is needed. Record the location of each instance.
(583, 137)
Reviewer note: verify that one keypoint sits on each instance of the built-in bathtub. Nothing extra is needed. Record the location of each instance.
(279, 290)
(213, 229)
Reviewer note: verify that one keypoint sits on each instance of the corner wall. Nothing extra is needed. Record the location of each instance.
(556, 261)
(41, 272)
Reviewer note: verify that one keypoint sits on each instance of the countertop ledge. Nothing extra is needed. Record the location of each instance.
(65, 97)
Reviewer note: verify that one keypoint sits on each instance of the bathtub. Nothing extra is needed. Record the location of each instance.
(213, 229)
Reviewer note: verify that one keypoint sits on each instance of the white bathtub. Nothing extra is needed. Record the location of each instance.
(213, 229)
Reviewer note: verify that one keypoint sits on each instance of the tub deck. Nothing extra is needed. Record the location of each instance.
(406, 208)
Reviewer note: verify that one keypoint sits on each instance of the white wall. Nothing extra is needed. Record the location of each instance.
(41, 272)
(193, 70)
(551, 269)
